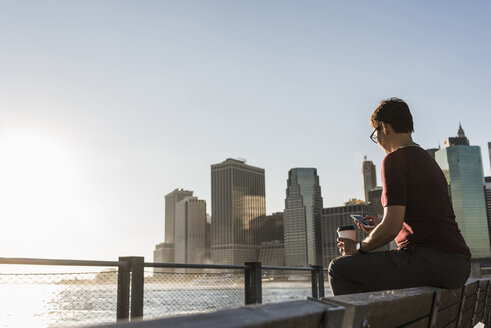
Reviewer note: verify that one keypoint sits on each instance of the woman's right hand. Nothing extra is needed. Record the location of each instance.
(374, 221)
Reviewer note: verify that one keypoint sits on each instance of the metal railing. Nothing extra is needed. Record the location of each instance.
(135, 288)
(59, 299)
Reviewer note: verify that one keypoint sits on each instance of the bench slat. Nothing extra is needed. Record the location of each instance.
(448, 315)
(452, 324)
(421, 323)
(470, 302)
(449, 297)
(467, 317)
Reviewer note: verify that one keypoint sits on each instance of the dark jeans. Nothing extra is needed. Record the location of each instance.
(413, 267)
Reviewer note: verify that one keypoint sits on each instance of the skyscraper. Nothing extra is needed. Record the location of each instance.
(190, 231)
(302, 218)
(487, 193)
(185, 230)
(432, 151)
(374, 198)
(165, 252)
(463, 168)
(171, 199)
(489, 152)
(270, 239)
(369, 176)
(237, 198)
(459, 140)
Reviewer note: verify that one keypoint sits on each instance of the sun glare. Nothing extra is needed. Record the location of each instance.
(38, 188)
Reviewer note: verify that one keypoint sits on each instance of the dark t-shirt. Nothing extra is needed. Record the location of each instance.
(412, 178)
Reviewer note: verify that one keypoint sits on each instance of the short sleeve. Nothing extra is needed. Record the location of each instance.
(394, 179)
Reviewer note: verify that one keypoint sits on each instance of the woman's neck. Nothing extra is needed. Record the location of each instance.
(401, 140)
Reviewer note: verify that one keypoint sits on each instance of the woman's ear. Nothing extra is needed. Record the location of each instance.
(385, 128)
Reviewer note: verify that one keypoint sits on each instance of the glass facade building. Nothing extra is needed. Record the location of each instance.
(374, 198)
(487, 192)
(237, 199)
(302, 218)
(489, 152)
(268, 228)
(463, 168)
(369, 178)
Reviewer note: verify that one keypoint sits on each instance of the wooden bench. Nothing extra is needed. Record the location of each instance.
(413, 307)
(418, 307)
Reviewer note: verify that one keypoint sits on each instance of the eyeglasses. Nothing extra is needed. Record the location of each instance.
(373, 136)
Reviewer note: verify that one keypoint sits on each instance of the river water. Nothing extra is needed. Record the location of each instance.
(58, 304)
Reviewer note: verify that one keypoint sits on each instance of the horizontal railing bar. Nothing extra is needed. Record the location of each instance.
(30, 261)
(193, 266)
(271, 267)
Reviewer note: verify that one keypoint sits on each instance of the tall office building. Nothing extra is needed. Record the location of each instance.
(489, 152)
(270, 239)
(272, 253)
(463, 169)
(208, 238)
(432, 151)
(487, 193)
(190, 231)
(369, 176)
(459, 140)
(237, 198)
(165, 252)
(339, 216)
(171, 199)
(185, 230)
(268, 228)
(375, 199)
(302, 218)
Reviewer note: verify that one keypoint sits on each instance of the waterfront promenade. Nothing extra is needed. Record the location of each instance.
(72, 293)
(130, 290)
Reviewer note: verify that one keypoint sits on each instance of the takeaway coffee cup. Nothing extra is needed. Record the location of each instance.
(347, 232)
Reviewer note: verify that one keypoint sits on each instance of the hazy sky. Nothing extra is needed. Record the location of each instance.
(106, 106)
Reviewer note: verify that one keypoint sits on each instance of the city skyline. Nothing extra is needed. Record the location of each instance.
(236, 184)
(107, 106)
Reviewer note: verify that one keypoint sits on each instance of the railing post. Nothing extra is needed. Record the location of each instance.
(137, 281)
(315, 280)
(320, 276)
(253, 288)
(123, 298)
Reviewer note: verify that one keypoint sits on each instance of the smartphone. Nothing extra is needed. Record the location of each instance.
(360, 219)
